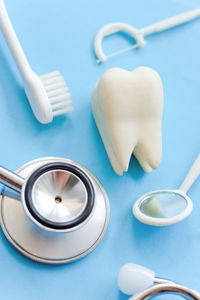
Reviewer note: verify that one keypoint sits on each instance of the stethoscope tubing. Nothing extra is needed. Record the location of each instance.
(164, 286)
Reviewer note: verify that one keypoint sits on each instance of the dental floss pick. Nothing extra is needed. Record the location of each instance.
(138, 34)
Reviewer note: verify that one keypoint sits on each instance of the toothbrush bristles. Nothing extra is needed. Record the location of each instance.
(50, 75)
(61, 104)
(62, 111)
(55, 86)
(53, 80)
(60, 98)
(57, 92)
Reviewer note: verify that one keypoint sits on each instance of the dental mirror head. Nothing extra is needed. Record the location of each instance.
(167, 207)
(141, 282)
(62, 212)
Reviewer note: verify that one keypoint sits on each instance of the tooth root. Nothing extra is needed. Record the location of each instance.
(119, 141)
(118, 152)
(149, 151)
(141, 159)
(127, 107)
(124, 141)
(100, 122)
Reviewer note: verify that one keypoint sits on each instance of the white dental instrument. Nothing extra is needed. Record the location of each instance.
(141, 282)
(138, 34)
(48, 94)
(166, 207)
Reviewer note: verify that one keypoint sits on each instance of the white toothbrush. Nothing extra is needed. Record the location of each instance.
(47, 94)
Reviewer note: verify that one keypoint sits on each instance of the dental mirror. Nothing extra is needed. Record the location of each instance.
(167, 207)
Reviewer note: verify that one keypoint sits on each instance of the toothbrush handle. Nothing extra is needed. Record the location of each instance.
(11, 180)
(192, 175)
(13, 42)
(171, 22)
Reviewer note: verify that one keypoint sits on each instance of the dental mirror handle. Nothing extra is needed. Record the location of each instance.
(10, 179)
(171, 22)
(192, 175)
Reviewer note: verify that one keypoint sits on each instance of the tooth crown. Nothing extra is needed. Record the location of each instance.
(128, 107)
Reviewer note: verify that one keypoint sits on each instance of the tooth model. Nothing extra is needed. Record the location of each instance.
(127, 108)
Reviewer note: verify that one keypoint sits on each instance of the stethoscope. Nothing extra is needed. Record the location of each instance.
(141, 282)
(53, 210)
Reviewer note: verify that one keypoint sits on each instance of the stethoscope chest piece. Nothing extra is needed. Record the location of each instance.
(62, 213)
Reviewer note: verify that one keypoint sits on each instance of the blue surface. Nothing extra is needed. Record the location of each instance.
(58, 35)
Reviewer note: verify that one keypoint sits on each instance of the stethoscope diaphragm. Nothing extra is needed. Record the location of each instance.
(58, 196)
(63, 213)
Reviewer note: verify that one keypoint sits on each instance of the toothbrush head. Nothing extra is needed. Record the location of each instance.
(48, 96)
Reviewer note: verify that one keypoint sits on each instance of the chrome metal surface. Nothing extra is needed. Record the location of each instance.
(10, 179)
(161, 280)
(51, 247)
(59, 196)
(167, 288)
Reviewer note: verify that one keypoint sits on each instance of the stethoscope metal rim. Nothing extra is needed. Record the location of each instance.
(34, 214)
(162, 221)
(69, 259)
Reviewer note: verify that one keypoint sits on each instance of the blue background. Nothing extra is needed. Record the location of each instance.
(59, 35)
